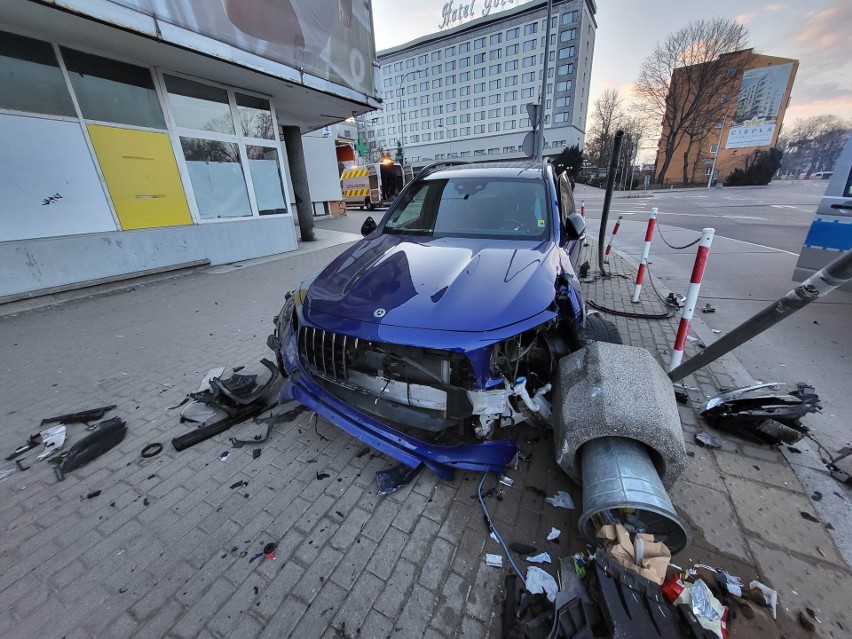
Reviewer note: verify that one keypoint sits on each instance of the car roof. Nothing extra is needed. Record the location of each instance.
(529, 169)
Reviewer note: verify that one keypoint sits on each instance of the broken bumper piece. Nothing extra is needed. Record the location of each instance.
(489, 456)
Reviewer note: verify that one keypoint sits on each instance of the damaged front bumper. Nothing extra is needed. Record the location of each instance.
(301, 385)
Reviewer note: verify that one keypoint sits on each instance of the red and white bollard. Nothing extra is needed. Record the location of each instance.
(691, 297)
(612, 239)
(643, 263)
(583, 209)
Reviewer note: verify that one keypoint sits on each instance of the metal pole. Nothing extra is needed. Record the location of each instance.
(691, 297)
(539, 147)
(834, 274)
(610, 183)
(716, 155)
(633, 160)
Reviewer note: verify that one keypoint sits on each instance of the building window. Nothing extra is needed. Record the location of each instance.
(493, 127)
(496, 38)
(464, 90)
(564, 85)
(511, 80)
(568, 35)
(494, 99)
(565, 69)
(510, 110)
(464, 77)
(512, 34)
(479, 43)
(436, 83)
(387, 70)
(30, 78)
(409, 64)
(464, 47)
(512, 49)
(479, 128)
(529, 45)
(714, 148)
(493, 151)
(479, 73)
(527, 93)
(493, 85)
(560, 117)
(495, 54)
(531, 28)
(511, 65)
(528, 77)
(479, 116)
(493, 113)
(479, 87)
(450, 66)
(509, 125)
(566, 52)
(478, 102)
(436, 55)
(423, 59)
(528, 62)
(479, 58)
(449, 51)
(449, 81)
(464, 117)
(437, 110)
(563, 102)
(569, 17)
(509, 96)
(111, 91)
(464, 62)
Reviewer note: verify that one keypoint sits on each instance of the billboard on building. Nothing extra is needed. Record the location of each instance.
(759, 101)
(330, 39)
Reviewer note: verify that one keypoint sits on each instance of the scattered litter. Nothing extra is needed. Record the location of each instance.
(691, 338)
(152, 449)
(561, 500)
(816, 496)
(711, 614)
(93, 494)
(256, 453)
(809, 517)
(554, 534)
(716, 331)
(521, 548)
(812, 613)
(730, 583)
(506, 481)
(239, 484)
(770, 597)
(541, 558)
(105, 437)
(708, 308)
(642, 555)
(707, 440)
(494, 560)
(211, 374)
(269, 551)
(322, 475)
(254, 557)
(146, 502)
(224, 456)
(80, 417)
(53, 438)
(539, 581)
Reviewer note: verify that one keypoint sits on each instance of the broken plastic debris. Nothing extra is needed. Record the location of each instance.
(539, 581)
(561, 500)
(224, 456)
(554, 534)
(506, 481)
(707, 440)
(707, 609)
(53, 438)
(716, 331)
(494, 560)
(211, 374)
(269, 551)
(770, 596)
(541, 558)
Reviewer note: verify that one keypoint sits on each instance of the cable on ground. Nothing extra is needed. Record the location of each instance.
(494, 529)
(656, 316)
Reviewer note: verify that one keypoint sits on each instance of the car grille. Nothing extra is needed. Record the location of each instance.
(325, 352)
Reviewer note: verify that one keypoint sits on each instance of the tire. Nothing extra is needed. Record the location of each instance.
(600, 330)
(369, 203)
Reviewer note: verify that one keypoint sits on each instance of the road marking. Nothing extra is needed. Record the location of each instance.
(782, 206)
(771, 248)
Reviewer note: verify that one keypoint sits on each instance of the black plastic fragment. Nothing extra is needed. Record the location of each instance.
(106, 436)
(392, 479)
(322, 475)
(93, 494)
(82, 416)
(211, 430)
(256, 453)
(270, 422)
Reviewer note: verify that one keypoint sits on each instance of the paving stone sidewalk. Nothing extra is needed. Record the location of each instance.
(164, 550)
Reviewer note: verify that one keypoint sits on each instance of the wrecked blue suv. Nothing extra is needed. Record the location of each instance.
(442, 327)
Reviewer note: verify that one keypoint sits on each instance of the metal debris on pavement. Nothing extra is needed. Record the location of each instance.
(105, 437)
(707, 440)
(79, 417)
(53, 438)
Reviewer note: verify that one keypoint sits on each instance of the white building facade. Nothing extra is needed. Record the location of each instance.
(462, 92)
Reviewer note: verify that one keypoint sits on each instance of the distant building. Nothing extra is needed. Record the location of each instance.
(462, 92)
(751, 110)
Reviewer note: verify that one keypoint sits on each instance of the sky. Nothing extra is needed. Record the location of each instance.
(818, 33)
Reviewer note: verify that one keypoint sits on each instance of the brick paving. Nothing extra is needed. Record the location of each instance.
(164, 549)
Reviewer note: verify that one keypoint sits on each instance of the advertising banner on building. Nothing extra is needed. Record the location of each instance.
(330, 39)
(758, 104)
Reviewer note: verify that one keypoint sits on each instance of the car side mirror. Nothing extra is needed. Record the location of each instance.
(368, 226)
(575, 227)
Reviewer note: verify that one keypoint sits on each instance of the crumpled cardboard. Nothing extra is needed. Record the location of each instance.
(656, 557)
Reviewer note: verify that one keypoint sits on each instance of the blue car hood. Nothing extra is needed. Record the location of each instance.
(440, 284)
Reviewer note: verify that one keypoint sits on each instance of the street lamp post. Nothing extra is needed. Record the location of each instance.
(402, 116)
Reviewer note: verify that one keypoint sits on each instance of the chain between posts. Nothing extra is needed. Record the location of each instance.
(671, 246)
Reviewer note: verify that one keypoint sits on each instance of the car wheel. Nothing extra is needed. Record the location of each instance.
(600, 330)
(370, 205)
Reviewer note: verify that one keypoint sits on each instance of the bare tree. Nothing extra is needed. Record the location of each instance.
(684, 84)
(607, 111)
(813, 144)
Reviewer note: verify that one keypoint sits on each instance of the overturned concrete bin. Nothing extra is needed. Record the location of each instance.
(618, 435)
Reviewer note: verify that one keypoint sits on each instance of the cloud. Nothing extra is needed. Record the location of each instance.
(773, 7)
(745, 18)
